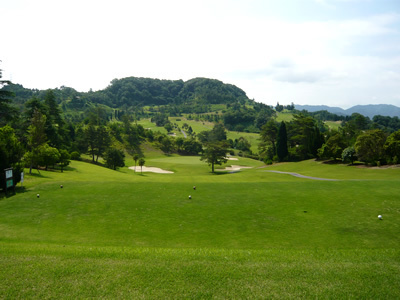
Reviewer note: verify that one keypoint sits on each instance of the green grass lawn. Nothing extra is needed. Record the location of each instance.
(250, 234)
(333, 125)
(285, 115)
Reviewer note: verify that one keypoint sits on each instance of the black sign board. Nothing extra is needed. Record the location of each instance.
(9, 179)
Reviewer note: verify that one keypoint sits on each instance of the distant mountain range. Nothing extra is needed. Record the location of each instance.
(366, 110)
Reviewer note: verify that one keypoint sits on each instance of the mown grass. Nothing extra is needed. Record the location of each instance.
(251, 234)
(285, 116)
(333, 125)
(83, 272)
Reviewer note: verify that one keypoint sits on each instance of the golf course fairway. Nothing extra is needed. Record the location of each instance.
(251, 233)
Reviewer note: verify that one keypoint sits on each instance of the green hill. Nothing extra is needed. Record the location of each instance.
(134, 91)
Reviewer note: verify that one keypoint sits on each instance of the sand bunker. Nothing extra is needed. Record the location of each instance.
(232, 158)
(233, 168)
(150, 169)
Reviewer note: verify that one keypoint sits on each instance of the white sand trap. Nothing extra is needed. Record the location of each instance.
(150, 169)
(232, 158)
(234, 168)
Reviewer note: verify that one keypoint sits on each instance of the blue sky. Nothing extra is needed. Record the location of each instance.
(330, 52)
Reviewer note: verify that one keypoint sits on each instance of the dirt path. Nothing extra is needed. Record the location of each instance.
(302, 176)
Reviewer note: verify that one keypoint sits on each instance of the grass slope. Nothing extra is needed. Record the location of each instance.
(251, 234)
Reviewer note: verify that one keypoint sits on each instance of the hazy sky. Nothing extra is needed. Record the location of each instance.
(331, 52)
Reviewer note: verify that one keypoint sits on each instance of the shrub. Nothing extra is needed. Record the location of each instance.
(75, 155)
(268, 162)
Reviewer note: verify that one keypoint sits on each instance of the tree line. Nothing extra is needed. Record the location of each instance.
(374, 142)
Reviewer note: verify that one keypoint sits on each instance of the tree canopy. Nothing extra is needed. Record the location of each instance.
(215, 153)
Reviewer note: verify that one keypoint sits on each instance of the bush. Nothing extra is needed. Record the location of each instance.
(268, 162)
(114, 158)
(75, 155)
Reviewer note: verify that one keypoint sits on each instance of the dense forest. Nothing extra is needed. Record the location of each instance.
(47, 128)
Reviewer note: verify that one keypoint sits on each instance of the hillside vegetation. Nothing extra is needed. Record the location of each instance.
(45, 128)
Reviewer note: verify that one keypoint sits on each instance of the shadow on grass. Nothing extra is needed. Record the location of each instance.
(10, 193)
(218, 173)
(39, 175)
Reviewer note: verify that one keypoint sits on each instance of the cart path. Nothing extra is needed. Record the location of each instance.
(184, 133)
(302, 176)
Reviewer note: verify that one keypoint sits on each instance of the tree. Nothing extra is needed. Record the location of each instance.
(281, 142)
(11, 152)
(369, 146)
(278, 107)
(135, 158)
(303, 136)
(54, 121)
(48, 156)
(160, 119)
(141, 164)
(36, 137)
(7, 111)
(32, 105)
(133, 136)
(215, 153)
(349, 154)
(114, 158)
(333, 147)
(361, 122)
(166, 145)
(269, 133)
(168, 127)
(191, 147)
(103, 141)
(218, 133)
(242, 144)
(90, 137)
(392, 146)
(97, 116)
(179, 143)
(65, 159)
(98, 140)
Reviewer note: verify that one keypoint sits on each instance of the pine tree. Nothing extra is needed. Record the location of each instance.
(7, 111)
(36, 137)
(281, 142)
